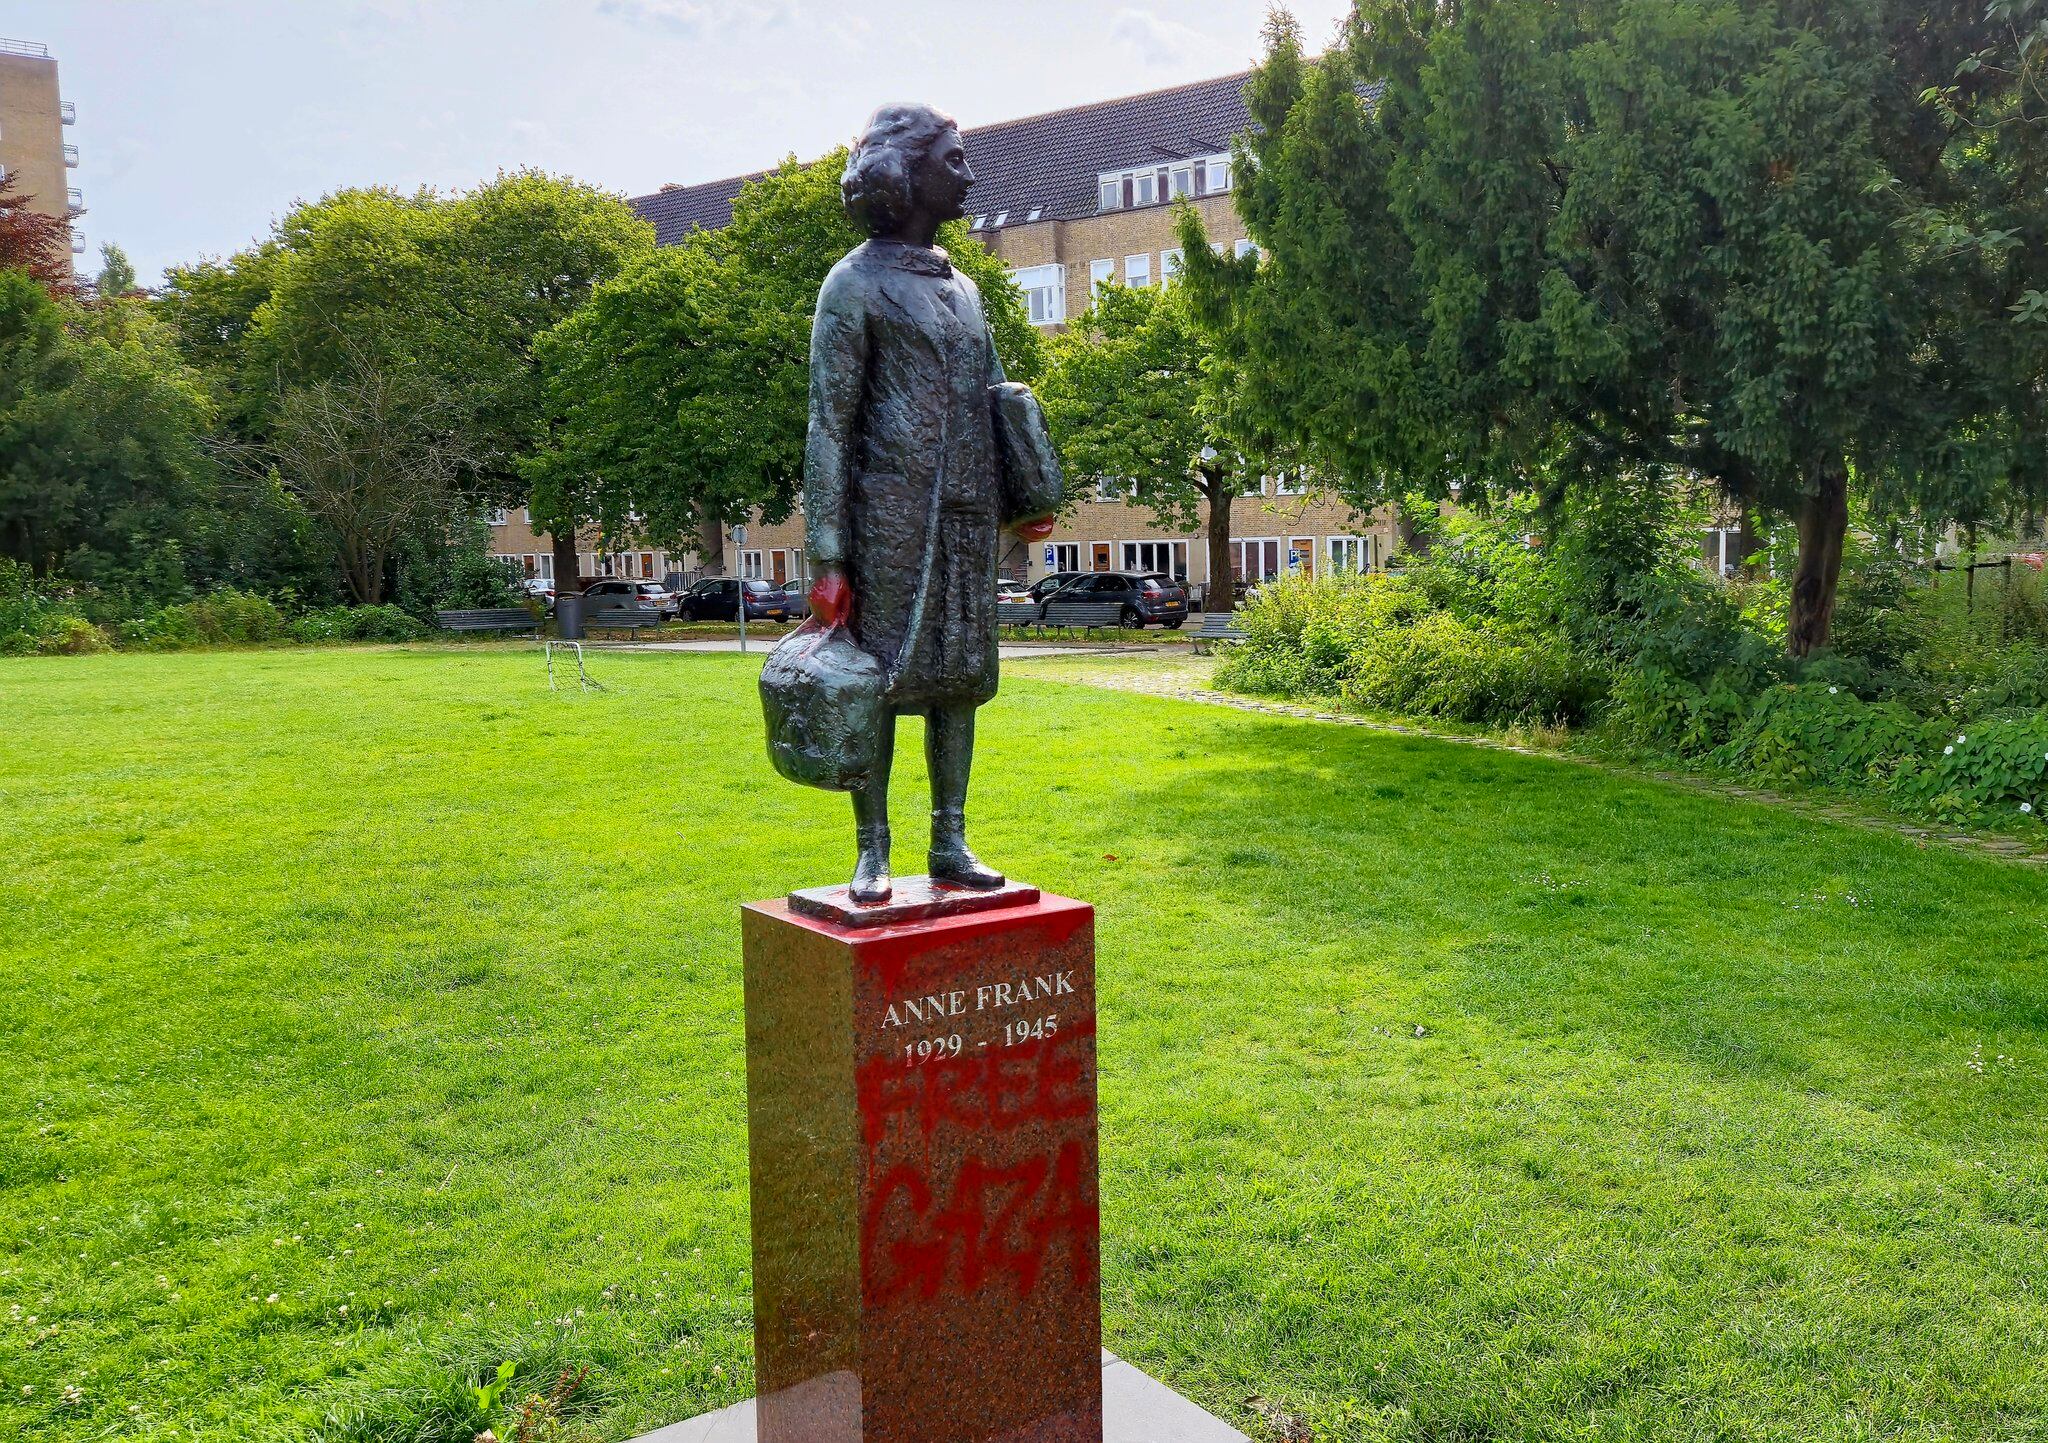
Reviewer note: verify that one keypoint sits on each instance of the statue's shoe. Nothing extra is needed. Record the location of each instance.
(871, 883)
(963, 869)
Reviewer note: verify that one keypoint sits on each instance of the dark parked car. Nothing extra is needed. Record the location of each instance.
(1043, 588)
(617, 592)
(716, 598)
(1147, 599)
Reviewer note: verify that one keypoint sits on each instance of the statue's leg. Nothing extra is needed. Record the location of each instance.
(871, 823)
(949, 752)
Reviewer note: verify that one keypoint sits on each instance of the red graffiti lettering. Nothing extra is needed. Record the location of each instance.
(998, 1223)
(1000, 1089)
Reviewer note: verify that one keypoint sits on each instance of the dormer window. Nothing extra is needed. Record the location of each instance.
(1156, 184)
(1036, 212)
(978, 222)
(1002, 219)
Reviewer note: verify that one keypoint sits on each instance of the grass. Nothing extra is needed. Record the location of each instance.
(1447, 1094)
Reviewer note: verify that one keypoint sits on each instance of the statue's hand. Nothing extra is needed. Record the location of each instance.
(1036, 530)
(831, 596)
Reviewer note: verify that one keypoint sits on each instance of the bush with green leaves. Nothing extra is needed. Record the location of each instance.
(42, 620)
(1819, 735)
(1995, 770)
(357, 623)
(223, 618)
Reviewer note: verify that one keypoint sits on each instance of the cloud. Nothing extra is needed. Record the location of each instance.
(1155, 40)
(702, 19)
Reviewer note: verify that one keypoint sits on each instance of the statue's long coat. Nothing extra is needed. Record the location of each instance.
(901, 365)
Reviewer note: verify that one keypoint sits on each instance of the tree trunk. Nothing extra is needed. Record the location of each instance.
(1823, 528)
(710, 545)
(566, 563)
(1217, 490)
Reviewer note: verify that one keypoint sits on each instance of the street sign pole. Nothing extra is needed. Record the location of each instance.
(739, 539)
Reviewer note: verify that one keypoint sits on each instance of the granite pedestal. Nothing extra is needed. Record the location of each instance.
(922, 1138)
(1135, 1409)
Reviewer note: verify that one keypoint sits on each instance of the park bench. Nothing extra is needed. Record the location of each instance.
(1017, 613)
(1083, 615)
(629, 619)
(1217, 626)
(499, 618)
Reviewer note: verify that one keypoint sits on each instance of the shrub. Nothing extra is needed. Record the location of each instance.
(222, 618)
(357, 623)
(1446, 668)
(1993, 769)
(1812, 734)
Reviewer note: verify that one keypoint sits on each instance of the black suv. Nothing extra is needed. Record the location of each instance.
(1146, 597)
(716, 598)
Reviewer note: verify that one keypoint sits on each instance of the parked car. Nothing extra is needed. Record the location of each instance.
(619, 592)
(1045, 586)
(1147, 598)
(716, 598)
(1012, 591)
(539, 588)
(799, 597)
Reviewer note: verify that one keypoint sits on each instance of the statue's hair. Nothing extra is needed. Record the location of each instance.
(876, 184)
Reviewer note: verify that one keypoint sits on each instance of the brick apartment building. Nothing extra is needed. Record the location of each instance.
(33, 117)
(1071, 199)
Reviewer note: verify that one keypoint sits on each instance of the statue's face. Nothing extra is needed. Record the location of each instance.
(943, 177)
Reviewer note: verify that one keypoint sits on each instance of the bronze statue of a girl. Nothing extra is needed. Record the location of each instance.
(919, 454)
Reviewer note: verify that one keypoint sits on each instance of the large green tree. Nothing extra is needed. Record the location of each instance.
(102, 468)
(1531, 245)
(369, 299)
(682, 386)
(1135, 392)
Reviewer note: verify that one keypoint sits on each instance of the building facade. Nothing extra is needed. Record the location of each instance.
(1072, 200)
(33, 121)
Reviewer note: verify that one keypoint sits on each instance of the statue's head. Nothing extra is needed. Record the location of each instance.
(909, 162)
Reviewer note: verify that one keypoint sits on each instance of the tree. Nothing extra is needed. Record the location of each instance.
(102, 467)
(31, 241)
(1135, 392)
(1533, 246)
(681, 387)
(439, 296)
(117, 274)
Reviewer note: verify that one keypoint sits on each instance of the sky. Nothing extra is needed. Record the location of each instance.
(200, 121)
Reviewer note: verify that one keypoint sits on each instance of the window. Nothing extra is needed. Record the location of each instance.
(1036, 212)
(547, 565)
(1045, 293)
(1252, 486)
(1722, 550)
(1255, 561)
(1114, 488)
(1244, 248)
(1350, 553)
(750, 565)
(1110, 196)
(1002, 219)
(1290, 483)
(1062, 556)
(1100, 274)
(1183, 183)
(1145, 188)
(1219, 174)
(647, 565)
(1137, 271)
(978, 222)
(1155, 184)
(526, 516)
(1168, 557)
(499, 516)
(1169, 265)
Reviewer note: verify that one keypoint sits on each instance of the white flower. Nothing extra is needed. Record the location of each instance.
(1948, 751)
(1834, 691)
(2027, 807)
(1961, 740)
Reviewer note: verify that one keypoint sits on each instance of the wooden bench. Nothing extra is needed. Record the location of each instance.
(1083, 615)
(503, 618)
(629, 619)
(1017, 613)
(1217, 626)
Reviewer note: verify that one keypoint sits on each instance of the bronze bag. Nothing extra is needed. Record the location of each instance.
(822, 697)
(1032, 485)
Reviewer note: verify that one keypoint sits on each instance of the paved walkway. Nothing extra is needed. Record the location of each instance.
(1831, 809)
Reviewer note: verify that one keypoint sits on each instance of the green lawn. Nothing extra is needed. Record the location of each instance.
(1447, 1094)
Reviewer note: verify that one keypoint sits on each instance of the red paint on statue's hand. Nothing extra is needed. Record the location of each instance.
(831, 598)
(1037, 530)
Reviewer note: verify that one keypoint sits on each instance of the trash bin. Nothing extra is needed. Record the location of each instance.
(569, 618)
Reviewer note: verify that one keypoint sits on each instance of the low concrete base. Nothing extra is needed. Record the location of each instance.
(1135, 1409)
